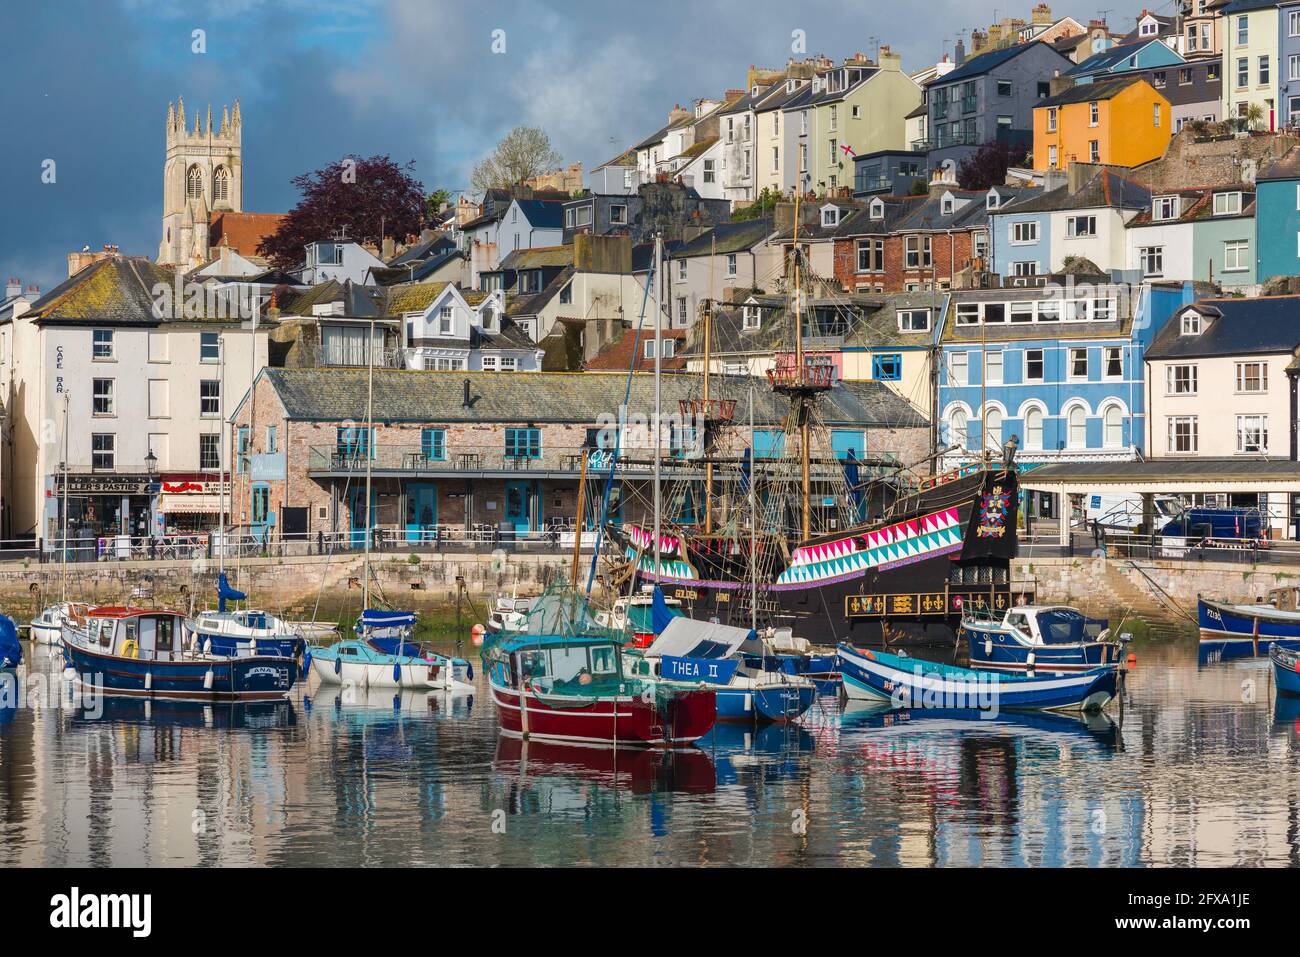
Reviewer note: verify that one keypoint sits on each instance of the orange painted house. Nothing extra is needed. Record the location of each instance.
(1121, 122)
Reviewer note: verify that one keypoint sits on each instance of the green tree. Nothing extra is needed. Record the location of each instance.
(523, 153)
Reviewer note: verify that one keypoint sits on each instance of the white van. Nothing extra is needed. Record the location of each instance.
(1123, 510)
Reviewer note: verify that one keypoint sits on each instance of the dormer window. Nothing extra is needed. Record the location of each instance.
(1164, 207)
(1227, 204)
(446, 324)
(1191, 325)
(947, 205)
(830, 216)
(877, 209)
(753, 317)
(489, 319)
(1149, 28)
(991, 200)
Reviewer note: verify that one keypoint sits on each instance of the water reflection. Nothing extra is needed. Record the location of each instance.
(1203, 770)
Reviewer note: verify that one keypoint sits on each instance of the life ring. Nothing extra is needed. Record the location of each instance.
(130, 649)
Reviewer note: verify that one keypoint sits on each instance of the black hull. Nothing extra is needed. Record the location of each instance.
(901, 581)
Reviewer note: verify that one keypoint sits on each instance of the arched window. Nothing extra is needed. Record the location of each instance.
(1113, 427)
(993, 429)
(1034, 428)
(1077, 437)
(958, 431)
(194, 183)
(221, 184)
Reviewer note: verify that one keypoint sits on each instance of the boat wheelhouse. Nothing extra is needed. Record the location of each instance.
(139, 652)
(1051, 638)
(561, 679)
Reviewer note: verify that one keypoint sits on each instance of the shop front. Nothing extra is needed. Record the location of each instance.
(190, 504)
(104, 512)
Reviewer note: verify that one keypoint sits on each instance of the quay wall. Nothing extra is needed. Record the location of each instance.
(293, 584)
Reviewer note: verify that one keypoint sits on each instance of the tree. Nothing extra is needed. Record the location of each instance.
(525, 152)
(761, 207)
(371, 198)
(434, 202)
(988, 165)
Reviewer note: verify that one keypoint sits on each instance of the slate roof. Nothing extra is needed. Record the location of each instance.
(1241, 6)
(1119, 327)
(1106, 189)
(423, 250)
(543, 214)
(652, 139)
(1263, 326)
(337, 395)
(1164, 470)
(1288, 167)
(531, 304)
(1088, 92)
(1197, 204)
(1111, 57)
(828, 97)
(729, 237)
(116, 289)
(979, 65)
(364, 302)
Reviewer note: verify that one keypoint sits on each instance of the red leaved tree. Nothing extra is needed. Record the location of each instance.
(988, 165)
(369, 197)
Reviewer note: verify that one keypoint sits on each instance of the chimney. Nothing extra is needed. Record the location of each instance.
(13, 288)
(941, 181)
(390, 249)
(889, 60)
(677, 115)
(1059, 84)
(959, 52)
(1078, 175)
(783, 217)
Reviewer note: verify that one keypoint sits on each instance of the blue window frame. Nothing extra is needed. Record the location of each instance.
(433, 444)
(241, 449)
(887, 368)
(523, 443)
(768, 443)
(353, 442)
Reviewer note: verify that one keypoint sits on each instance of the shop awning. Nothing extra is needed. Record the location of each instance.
(189, 504)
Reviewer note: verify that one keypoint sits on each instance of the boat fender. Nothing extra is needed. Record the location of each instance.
(338, 665)
(1029, 659)
(748, 701)
(207, 647)
(70, 674)
(148, 681)
(252, 647)
(397, 673)
(306, 663)
(207, 680)
(988, 646)
(469, 672)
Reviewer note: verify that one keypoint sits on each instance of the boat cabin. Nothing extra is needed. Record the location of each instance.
(560, 665)
(1044, 625)
(136, 633)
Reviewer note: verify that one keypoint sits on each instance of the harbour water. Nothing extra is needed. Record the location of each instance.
(1203, 770)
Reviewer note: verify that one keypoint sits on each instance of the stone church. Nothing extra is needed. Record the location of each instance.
(203, 175)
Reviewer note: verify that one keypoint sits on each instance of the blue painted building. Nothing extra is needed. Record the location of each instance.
(1124, 58)
(1288, 61)
(1061, 368)
(1277, 219)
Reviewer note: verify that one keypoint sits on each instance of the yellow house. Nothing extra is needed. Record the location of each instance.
(1120, 122)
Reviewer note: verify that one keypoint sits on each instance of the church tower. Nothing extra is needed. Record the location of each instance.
(203, 173)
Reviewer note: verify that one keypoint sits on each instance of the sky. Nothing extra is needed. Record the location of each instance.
(87, 83)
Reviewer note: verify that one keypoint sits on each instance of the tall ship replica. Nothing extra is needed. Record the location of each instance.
(833, 548)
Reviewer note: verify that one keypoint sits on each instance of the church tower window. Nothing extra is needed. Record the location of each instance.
(221, 184)
(194, 183)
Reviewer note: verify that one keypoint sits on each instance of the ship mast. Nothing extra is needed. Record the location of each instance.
(708, 342)
(370, 426)
(659, 349)
(805, 468)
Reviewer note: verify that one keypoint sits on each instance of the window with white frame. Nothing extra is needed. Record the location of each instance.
(993, 368)
(1252, 377)
(958, 369)
(1152, 260)
(1076, 421)
(1191, 324)
(731, 265)
(1243, 73)
(209, 452)
(1113, 362)
(618, 214)
(103, 451)
(1052, 157)
(1252, 434)
(914, 320)
(1024, 268)
(871, 255)
(1033, 365)
(1094, 151)
(1180, 380)
(1164, 207)
(1227, 204)
(1034, 428)
(1181, 436)
(1243, 31)
(1094, 113)
(102, 396)
(1023, 233)
(1051, 119)
(1264, 70)
(446, 323)
(681, 270)
(1080, 226)
(830, 217)
(210, 398)
(101, 344)
(958, 428)
(1112, 427)
(753, 317)
(1079, 363)
(1236, 255)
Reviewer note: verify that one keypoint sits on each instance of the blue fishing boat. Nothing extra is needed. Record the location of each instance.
(913, 683)
(246, 631)
(385, 655)
(137, 652)
(1050, 638)
(1286, 670)
(11, 649)
(1238, 631)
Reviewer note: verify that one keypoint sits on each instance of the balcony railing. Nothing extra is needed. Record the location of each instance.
(415, 460)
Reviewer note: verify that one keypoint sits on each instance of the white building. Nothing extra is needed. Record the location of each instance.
(120, 385)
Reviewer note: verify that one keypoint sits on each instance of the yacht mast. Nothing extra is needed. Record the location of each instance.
(799, 371)
(64, 551)
(368, 452)
(659, 348)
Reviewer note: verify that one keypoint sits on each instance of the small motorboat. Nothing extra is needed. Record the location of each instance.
(385, 655)
(1286, 670)
(1049, 638)
(138, 652)
(561, 679)
(47, 627)
(11, 649)
(507, 614)
(1246, 630)
(692, 653)
(913, 683)
(238, 632)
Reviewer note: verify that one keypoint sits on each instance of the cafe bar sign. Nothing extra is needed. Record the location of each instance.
(106, 484)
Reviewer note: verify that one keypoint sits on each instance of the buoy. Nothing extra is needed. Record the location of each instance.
(476, 635)
(1132, 658)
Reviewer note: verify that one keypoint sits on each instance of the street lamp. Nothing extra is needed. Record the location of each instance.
(151, 463)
